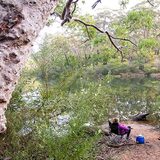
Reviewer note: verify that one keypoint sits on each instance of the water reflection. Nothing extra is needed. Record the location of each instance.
(126, 97)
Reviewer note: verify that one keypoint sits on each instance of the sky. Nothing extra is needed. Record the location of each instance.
(56, 28)
(108, 4)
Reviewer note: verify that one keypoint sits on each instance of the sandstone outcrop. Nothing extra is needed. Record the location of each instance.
(20, 23)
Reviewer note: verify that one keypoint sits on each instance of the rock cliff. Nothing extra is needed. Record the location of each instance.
(20, 23)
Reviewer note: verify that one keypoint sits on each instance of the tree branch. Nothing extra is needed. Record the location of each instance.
(95, 4)
(67, 13)
(106, 32)
(124, 39)
(75, 6)
(56, 14)
(150, 3)
(89, 36)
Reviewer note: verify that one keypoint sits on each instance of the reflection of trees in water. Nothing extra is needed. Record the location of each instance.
(133, 97)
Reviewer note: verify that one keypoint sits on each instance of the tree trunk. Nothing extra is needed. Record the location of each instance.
(20, 23)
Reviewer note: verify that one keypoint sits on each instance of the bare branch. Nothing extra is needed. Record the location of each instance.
(89, 36)
(95, 4)
(75, 6)
(124, 39)
(85, 41)
(150, 3)
(56, 14)
(107, 33)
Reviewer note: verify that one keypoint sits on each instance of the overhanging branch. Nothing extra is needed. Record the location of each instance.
(150, 3)
(75, 6)
(95, 4)
(67, 15)
(124, 39)
(105, 32)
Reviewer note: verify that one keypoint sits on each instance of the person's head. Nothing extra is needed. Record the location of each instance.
(115, 120)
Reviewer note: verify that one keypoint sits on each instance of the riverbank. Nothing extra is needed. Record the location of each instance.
(148, 151)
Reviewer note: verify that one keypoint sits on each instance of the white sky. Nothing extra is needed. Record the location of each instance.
(109, 4)
(56, 28)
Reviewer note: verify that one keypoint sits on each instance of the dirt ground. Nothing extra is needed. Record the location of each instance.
(132, 151)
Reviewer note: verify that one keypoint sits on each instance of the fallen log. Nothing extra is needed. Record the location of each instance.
(140, 117)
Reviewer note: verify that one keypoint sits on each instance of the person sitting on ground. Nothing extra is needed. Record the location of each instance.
(119, 129)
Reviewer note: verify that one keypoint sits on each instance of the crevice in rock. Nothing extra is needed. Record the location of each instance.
(12, 18)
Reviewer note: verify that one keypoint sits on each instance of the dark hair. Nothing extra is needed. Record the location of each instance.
(115, 120)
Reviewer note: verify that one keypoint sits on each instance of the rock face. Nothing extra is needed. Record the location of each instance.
(20, 23)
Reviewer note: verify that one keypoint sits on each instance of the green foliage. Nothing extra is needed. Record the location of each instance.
(139, 26)
(138, 19)
(60, 6)
(149, 43)
(148, 68)
(120, 29)
(99, 39)
(80, 30)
